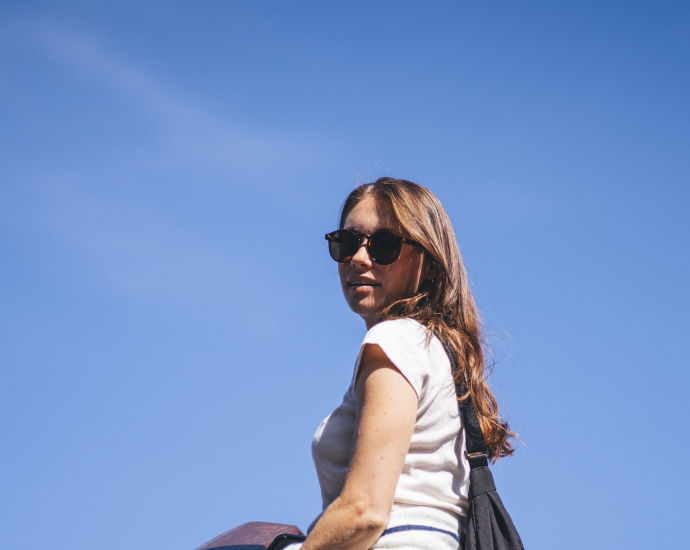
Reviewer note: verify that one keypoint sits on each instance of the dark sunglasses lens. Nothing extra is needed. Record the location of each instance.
(342, 245)
(385, 247)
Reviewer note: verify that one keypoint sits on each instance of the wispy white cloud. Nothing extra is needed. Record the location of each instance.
(139, 252)
(192, 132)
(138, 247)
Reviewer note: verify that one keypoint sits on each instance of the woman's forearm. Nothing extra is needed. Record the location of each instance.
(346, 526)
(386, 413)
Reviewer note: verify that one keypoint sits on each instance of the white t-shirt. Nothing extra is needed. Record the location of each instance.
(434, 483)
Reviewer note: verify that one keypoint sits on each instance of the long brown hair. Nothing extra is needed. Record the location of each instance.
(444, 305)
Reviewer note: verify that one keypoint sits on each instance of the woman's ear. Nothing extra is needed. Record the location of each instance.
(430, 272)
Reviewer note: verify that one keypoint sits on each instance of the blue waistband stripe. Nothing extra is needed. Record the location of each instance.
(400, 528)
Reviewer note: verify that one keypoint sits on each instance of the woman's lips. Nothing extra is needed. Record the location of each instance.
(362, 286)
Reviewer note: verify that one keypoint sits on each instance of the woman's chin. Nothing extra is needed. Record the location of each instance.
(364, 307)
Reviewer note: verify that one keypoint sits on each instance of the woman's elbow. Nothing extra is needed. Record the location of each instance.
(374, 523)
(368, 518)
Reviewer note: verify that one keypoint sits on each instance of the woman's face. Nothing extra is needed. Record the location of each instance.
(369, 287)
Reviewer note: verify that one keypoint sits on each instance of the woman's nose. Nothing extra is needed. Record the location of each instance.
(361, 257)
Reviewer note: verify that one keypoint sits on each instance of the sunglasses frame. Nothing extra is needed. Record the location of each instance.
(361, 236)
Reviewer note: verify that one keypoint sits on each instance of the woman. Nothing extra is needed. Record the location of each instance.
(390, 459)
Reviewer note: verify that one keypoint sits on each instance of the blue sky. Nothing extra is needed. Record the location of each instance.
(171, 326)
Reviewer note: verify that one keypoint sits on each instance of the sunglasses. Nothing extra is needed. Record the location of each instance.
(383, 246)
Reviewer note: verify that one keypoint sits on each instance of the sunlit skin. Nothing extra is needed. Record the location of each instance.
(384, 283)
(386, 402)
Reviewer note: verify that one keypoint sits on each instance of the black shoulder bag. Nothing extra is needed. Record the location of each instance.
(489, 526)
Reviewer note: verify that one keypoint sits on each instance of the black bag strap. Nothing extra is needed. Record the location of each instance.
(474, 438)
(489, 526)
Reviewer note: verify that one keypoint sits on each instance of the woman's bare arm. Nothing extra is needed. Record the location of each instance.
(386, 414)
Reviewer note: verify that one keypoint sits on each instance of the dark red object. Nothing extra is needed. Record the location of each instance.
(255, 535)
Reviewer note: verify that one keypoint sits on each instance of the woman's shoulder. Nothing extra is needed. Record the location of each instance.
(398, 328)
(407, 338)
(409, 345)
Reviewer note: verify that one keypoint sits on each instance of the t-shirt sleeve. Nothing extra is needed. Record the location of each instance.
(404, 341)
